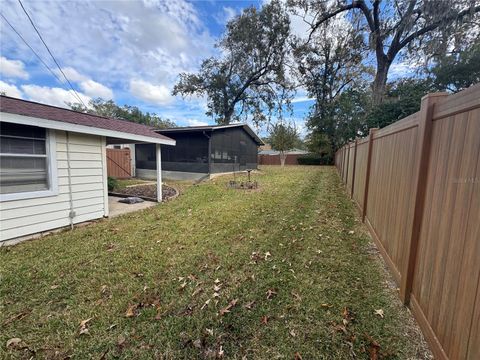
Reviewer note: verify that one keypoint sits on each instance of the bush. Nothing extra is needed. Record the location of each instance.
(315, 160)
(112, 183)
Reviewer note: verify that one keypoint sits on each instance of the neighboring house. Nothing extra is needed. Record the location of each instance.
(53, 165)
(201, 151)
(272, 157)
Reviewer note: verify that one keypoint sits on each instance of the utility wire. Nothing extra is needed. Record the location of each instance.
(26, 43)
(48, 49)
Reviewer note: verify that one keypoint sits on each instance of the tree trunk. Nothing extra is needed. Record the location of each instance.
(283, 156)
(380, 82)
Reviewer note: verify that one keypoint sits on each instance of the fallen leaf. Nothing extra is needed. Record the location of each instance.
(209, 331)
(198, 343)
(84, 327)
(205, 305)
(216, 281)
(131, 311)
(216, 295)
(379, 312)
(53, 287)
(292, 333)
(296, 296)
(298, 356)
(216, 288)
(197, 291)
(13, 342)
(271, 293)
(249, 305)
(221, 352)
(264, 320)
(351, 232)
(227, 309)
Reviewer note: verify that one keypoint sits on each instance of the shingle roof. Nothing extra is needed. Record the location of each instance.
(33, 109)
(246, 127)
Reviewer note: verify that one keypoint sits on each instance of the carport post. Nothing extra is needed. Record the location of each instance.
(159, 174)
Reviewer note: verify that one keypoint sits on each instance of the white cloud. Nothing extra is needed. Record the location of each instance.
(71, 74)
(10, 90)
(12, 68)
(95, 89)
(301, 98)
(90, 87)
(402, 69)
(53, 96)
(156, 94)
(195, 122)
(227, 14)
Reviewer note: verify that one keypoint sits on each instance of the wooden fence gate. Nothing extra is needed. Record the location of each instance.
(119, 163)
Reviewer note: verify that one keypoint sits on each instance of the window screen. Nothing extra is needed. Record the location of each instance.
(23, 158)
(232, 149)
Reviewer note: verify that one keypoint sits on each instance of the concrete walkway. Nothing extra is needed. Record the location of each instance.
(116, 208)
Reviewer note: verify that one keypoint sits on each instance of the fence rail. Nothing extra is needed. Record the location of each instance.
(416, 184)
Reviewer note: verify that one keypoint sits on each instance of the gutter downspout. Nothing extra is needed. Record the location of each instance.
(71, 214)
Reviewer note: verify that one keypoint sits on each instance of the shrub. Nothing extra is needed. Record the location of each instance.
(315, 160)
(112, 183)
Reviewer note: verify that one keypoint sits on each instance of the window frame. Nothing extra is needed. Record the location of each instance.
(51, 159)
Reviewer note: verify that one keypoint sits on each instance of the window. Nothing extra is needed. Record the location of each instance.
(25, 162)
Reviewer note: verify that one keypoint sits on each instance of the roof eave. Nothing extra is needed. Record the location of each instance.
(83, 129)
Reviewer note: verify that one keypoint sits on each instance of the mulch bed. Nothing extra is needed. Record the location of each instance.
(147, 191)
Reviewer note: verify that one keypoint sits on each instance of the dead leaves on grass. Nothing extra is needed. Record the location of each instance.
(84, 326)
(227, 309)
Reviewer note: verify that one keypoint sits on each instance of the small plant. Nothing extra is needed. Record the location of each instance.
(112, 183)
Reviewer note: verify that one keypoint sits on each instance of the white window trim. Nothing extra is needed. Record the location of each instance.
(51, 151)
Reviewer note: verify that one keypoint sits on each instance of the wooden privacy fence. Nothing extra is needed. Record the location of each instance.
(416, 184)
(119, 163)
(291, 159)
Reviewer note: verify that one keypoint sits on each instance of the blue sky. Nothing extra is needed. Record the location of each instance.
(125, 50)
(129, 51)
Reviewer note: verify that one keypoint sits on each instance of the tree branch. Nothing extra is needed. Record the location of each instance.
(436, 24)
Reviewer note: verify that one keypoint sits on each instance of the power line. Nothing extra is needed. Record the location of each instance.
(48, 49)
(26, 43)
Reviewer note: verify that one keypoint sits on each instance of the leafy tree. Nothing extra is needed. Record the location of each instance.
(108, 108)
(320, 144)
(400, 27)
(283, 137)
(249, 77)
(403, 98)
(345, 119)
(458, 70)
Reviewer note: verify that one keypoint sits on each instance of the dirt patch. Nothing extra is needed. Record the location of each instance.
(148, 191)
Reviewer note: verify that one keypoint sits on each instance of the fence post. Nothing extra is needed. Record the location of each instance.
(354, 166)
(348, 162)
(423, 149)
(367, 175)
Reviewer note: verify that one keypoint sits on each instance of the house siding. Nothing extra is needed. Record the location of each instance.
(88, 182)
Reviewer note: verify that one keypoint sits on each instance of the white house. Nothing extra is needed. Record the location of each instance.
(53, 169)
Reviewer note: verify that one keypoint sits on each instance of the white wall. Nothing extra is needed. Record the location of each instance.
(88, 182)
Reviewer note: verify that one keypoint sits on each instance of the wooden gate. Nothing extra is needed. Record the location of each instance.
(119, 163)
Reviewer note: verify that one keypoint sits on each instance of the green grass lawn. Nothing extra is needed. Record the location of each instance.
(285, 271)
